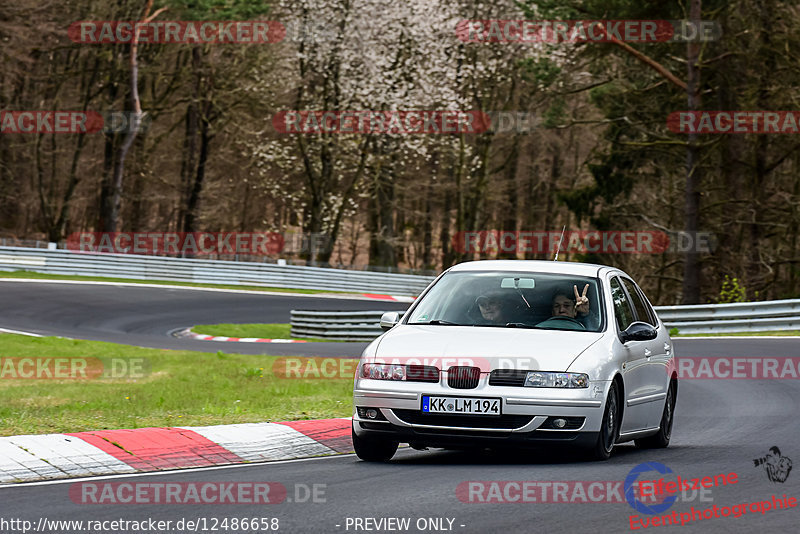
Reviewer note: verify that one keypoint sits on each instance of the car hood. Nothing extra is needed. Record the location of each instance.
(485, 347)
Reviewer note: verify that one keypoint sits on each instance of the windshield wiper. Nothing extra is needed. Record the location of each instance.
(440, 322)
(520, 325)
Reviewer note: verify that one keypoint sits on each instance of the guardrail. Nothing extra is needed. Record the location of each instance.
(208, 271)
(694, 319)
(341, 325)
(735, 317)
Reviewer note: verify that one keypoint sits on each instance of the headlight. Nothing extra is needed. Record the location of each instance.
(383, 371)
(545, 379)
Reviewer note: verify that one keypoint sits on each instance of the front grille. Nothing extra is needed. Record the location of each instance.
(463, 377)
(507, 377)
(415, 417)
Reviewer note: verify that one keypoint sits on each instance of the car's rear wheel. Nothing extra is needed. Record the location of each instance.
(661, 438)
(609, 428)
(372, 449)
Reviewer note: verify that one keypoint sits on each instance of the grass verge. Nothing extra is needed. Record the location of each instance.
(262, 331)
(181, 388)
(45, 276)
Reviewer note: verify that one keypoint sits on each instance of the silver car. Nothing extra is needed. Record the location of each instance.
(511, 353)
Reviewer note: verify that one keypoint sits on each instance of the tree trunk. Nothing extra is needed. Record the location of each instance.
(691, 263)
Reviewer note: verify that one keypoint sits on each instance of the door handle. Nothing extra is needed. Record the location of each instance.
(647, 352)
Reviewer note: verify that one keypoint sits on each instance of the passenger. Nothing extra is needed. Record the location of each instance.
(493, 308)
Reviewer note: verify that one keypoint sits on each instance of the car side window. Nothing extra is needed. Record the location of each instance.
(622, 307)
(639, 304)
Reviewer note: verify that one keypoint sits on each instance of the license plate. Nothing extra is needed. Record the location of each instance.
(461, 405)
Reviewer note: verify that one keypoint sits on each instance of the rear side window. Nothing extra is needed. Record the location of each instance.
(643, 311)
(622, 306)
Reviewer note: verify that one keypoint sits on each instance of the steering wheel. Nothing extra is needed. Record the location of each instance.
(562, 322)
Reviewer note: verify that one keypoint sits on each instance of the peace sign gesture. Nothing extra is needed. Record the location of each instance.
(581, 300)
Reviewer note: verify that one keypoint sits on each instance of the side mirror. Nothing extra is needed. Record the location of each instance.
(389, 319)
(638, 331)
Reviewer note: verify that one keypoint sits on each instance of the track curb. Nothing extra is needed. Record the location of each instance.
(110, 452)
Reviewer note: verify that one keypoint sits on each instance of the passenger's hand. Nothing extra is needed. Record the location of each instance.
(581, 300)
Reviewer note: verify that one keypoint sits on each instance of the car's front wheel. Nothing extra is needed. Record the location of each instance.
(661, 438)
(610, 427)
(372, 449)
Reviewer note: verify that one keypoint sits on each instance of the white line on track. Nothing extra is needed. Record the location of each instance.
(195, 288)
(9, 331)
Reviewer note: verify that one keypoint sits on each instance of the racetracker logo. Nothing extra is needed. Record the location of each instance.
(198, 32)
(385, 122)
(585, 31)
(69, 368)
(180, 243)
(314, 368)
(583, 242)
(733, 368)
(177, 493)
(80, 122)
(734, 122)
(561, 491)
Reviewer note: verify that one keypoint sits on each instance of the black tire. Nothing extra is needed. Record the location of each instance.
(374, 449)
(609, 430)
(660, 440)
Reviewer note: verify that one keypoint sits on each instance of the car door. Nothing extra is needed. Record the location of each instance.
(654, 370)
(634, 371)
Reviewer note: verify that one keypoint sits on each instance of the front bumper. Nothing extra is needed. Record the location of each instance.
(524, 412)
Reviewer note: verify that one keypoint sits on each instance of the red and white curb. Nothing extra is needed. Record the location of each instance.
(194, 335)
(107, 452)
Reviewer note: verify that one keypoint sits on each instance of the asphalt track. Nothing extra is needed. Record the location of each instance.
(720, 427)
(146, 316)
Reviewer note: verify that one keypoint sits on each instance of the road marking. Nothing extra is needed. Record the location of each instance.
(9, 331)
(358, 296)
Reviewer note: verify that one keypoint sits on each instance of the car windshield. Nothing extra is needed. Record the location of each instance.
(512, 300)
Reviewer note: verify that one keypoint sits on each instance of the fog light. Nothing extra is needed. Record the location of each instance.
(372, 413)
(559, 423)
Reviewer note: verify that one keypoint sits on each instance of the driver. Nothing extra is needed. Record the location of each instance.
(572, 306)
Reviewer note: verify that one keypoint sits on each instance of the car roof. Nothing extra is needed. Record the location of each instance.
(532, 266)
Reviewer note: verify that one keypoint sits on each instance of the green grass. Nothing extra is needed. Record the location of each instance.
(263, 331)
(775, 333)
(45, 276)
(181, 388)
